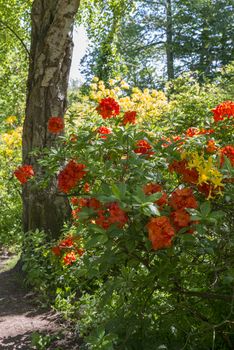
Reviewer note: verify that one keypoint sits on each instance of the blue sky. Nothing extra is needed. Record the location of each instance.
(80, 45)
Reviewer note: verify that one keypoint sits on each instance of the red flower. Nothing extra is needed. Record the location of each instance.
(117, 215)
(206, 131)
(70, 176)
(102, 219)
(66, 243)
(152, 188)
(129, 117)
(112, 215)
(104, 131)
(94, 203)
(108, 108)
(223, 110)
(160, 232)
(181, 168)
(143, 147)
(24, 173)
(180, 218)
(86, 187)
(69, 258)
(56, 251)
(208, 189)
(190, 132)
(55, 125)
(183, 198)
(227, 151)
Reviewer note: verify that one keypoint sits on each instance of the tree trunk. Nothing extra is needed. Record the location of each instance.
(50, 61)
(169, 43)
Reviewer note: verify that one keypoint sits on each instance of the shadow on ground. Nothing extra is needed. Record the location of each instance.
(20, 318)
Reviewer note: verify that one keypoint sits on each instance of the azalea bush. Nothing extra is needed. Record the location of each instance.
(145, 262)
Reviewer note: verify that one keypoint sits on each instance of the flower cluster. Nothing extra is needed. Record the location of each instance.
(227, 151)
(162, 229)
(69, 248)
(24, 173)
(55, 125)
(190, 132)
(209, 177)
(103, 131)
(108, 108)
(143, 147)
(69, 177)
(152, 188)
(181, 167)
(223, 110)
(112, 214)
(160, 232)
(104, 215)
(129, 117)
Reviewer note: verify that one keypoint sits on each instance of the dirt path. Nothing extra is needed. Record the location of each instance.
(20, 317)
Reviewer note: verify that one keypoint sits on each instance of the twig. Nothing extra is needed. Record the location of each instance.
(17, 36)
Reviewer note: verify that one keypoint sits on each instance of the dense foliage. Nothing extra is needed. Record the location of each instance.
(145, 262)
(148, 42)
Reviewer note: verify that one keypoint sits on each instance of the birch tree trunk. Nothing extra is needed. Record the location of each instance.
(50, 61)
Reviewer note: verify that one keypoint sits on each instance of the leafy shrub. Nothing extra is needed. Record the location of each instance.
(147, 260)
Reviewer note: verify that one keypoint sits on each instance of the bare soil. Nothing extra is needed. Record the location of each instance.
(21, 317)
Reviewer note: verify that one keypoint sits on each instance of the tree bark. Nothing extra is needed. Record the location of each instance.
(50, 61)
(169, 42)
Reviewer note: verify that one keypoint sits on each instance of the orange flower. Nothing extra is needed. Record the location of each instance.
(180, 218)
(129, 117)
(160, 232)
(208, 189)
(56, 250)
(223, 110)
(104, 131)
(24, 173)
(181, 167)
(86, 187)
(210, 146)
(70, 176)
(69, 258)
(143, 147)
(227, 151)
(55, 125)
(108, 108)
(190, 132)
(152, 188)
(66, 243)
(183, 198)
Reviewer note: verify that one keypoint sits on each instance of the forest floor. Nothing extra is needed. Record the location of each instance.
(24, 324)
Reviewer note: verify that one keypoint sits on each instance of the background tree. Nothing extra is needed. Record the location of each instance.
(158, 40)
(50, 60)
(14, 44)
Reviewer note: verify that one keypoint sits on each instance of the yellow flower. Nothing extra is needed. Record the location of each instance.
(208, 173)
(11, 119)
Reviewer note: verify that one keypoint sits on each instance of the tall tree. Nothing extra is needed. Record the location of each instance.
(14, 44)
(160, 39)
(50, 60)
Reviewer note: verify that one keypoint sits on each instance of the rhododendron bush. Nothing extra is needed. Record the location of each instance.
(150, 237)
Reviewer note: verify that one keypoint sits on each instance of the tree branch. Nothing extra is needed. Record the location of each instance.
(17, 36)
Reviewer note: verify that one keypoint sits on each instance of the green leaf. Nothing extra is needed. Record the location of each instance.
(205, 208)
(99, 239)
